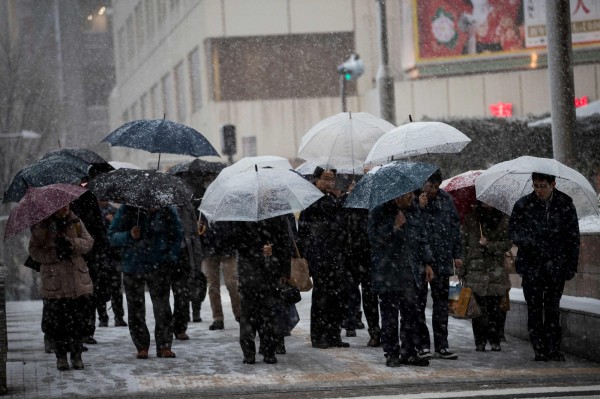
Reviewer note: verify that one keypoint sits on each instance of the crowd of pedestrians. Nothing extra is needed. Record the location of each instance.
(389, 259)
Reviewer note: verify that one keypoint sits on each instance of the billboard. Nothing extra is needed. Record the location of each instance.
(459, 28)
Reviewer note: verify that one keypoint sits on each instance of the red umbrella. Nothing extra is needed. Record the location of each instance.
(462, 190)
(38, 204)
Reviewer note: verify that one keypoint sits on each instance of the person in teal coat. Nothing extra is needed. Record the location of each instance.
(151, 244)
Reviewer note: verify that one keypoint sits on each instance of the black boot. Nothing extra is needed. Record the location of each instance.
(76, 349)
(60, 349)
(48, 344)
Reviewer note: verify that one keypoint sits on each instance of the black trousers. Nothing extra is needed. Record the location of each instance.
(180, 284)
(258, 316)
(394, 304)
(116, 298)
(329, 298)
(198, 288)
(65, 321)
(359, 267)
(488, 326)
(159, 288)
(439, 313)
(543, 312)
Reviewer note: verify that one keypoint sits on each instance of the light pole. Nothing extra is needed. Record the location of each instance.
(351, 69)
(385, 79)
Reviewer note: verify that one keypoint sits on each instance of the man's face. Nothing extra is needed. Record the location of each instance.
(431, 189)
(543, 189)
(405, 200)
(326, 182)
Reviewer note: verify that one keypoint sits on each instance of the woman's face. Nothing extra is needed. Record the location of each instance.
(62, 212)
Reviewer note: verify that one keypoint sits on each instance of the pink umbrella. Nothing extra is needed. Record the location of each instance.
(38, 204)
(462, 190)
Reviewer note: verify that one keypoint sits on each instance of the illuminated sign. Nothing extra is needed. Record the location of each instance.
(501, 110)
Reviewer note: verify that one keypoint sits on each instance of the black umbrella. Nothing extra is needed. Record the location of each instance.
(98, 163)
(142, 188)
(50, 170)
(197, 167)
(161, 135)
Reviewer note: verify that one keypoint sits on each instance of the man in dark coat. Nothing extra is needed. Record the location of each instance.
(544, 227)
(321, 237)
(443, 229)
(401, 257)
(264, 253)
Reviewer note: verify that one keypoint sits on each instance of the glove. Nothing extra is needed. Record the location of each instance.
(64, 248)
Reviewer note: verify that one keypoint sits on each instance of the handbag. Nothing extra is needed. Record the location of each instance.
(509, 260)
(299, 276)
(504, 303)
(288, 294)
(465, 306)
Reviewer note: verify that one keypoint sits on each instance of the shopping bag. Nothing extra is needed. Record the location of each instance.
(465, 306)
(300, 276)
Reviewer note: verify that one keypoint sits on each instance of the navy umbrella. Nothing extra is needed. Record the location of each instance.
(142, 188)
(389, 181)
(197, 167)
(50, 170)
(161, 135)
(99, 164)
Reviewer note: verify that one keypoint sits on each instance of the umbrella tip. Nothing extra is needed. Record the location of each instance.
(350, 113)
(256, 168)
(410, 117)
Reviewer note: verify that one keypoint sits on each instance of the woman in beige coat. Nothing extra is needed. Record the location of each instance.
(485, 240)
(58, 243)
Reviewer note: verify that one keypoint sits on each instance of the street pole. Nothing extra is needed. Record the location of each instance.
(343, 93)
(385, 80)
(560, 74)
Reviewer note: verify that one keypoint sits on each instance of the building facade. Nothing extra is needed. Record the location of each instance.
(269, 66)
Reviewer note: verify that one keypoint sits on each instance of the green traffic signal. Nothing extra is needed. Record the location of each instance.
(348, 76)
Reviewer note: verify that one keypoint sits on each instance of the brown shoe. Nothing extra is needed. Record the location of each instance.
(165, 353)
(142, 353)
(182, 336)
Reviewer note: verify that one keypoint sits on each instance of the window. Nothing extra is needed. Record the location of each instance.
(195, 88)
(178, 75)
(155, 103)
(121, 47)
(144, 107)
(130, 38)
(286, 66)
(139, 24)
(149, 18)
(167, 96)
(249, 146)
(161, 11)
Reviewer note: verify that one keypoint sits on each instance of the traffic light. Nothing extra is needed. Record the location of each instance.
(229, 139)
(352, 68)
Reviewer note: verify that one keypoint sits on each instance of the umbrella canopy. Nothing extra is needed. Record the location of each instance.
(505, 183)
(98, 163)
(38, 204)
(384, 183)
(142, 188)
(249, 163)
(462, 190)
(308, 168)
(161, 135)
(343, 140)
(417, 138)
(51, 170)
(197, 166)
(258, 194)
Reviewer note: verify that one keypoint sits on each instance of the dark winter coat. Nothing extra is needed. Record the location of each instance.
(260, 276)
(548, 238)
(159, 245)
(217, 239)
(443, 229)
(66, 278)
(483, 267)
(322, 236)
(397, 255)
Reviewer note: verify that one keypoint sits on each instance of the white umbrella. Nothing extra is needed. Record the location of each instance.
(123, 165)
(343, 140)
(308, 168)
(504, 183)
(258, 194)
(417, 138)
(249, 163)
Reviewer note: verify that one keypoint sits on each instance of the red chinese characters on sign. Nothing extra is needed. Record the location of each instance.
(581, 101)
(501, 110)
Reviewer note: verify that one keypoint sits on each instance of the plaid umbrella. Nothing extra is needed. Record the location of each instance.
(38, 204)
